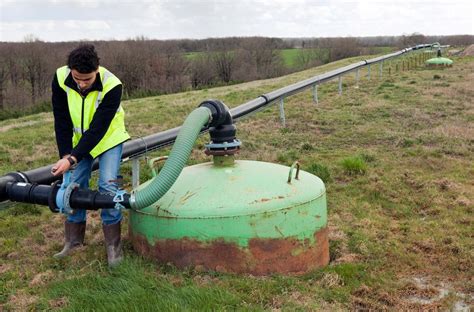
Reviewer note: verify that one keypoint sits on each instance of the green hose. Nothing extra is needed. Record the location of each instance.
(177, 160)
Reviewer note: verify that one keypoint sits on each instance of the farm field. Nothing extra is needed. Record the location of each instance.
(396, 154)
(290, 56)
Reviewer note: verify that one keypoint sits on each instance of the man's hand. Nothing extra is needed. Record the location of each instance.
(61, 166)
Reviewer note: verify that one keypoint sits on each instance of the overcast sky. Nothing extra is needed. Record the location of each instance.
(68, 20)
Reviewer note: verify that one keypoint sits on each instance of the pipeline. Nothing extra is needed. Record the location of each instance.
(66, 197)
(141, 146)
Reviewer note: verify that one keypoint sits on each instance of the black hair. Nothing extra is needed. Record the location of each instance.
(84, 59)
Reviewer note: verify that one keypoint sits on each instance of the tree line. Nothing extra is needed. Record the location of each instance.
(151, 67)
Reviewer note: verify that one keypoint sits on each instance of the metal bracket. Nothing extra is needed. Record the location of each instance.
(118, 199)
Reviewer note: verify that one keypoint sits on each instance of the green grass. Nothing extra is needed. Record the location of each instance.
(354, 165)
(193, 55)
(409, 215)
(321, 171)
(134, 286)
(289, 56)
(38, 108)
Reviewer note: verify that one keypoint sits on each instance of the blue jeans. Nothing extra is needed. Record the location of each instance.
(109, 165)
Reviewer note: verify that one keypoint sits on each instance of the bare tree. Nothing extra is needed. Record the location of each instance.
(342, 48)
(224, 63)
(3, 78)
(201, 71)
(411, 40)
(173, 78)
(36, 70)
(4, 73)
(265, 55)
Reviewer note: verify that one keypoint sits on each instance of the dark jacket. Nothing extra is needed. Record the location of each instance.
(100, 122)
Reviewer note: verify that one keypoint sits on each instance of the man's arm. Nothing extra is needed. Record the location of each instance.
(62, 119)
(100, 123)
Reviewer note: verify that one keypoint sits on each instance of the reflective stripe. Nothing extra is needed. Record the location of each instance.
(68, 70)
(99, 97)
(78, 130)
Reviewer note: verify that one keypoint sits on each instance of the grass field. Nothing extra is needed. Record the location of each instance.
(397, 156)
(290, 56)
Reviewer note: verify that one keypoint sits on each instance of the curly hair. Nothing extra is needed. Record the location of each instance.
(84, 59)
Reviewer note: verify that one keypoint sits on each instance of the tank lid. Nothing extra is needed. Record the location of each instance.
(247, 187)
(439, 61)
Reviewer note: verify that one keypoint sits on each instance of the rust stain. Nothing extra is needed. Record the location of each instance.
(261, 257)
(263, 200)
(169, 212)
(186, 196)
(279, 231)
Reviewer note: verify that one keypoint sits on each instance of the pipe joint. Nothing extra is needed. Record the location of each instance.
(219, 112)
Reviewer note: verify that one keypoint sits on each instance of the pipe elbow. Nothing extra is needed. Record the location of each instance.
(220, 114)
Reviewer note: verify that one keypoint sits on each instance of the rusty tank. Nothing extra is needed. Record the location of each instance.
(237, 216)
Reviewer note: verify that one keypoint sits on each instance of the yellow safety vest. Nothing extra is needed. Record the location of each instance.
(86, 107)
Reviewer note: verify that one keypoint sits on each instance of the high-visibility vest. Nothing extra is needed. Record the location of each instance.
(82, 110)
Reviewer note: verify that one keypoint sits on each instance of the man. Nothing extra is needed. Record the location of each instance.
(89, 123)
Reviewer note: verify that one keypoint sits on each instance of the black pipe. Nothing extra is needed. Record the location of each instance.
(3, 186)
(94, 200)
(46, 195)
(249, 107)
(29, 193)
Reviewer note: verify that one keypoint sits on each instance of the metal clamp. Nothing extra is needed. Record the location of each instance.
(224, 148)
(67, 209)
(297, 165)
(64, 194)
(151, 164)
(118, 199)
(224, 145)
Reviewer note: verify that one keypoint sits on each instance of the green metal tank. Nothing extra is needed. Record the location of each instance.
(243, 217)
(439, 61)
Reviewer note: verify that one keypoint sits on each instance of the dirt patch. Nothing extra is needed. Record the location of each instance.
(331, 280)
(58, 303)
(340, 253)
(41, 278)
(469, 51)
(22, 301)
(372, 299)
(423, 293)
(5, 268)
(347, 258)
(23, 124)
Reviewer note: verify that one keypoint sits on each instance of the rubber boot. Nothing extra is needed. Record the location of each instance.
(113, 244)
(73, 236)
